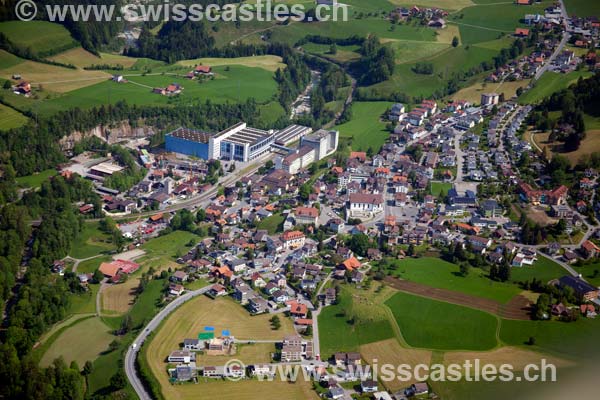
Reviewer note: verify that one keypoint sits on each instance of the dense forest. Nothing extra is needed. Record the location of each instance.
(43, 298)
(377, 62)
(175, 41)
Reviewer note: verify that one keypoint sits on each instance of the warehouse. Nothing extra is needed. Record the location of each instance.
(188, 141)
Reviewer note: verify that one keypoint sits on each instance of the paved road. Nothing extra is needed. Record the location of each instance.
(132, 352)
(561, 45)
(204, 197)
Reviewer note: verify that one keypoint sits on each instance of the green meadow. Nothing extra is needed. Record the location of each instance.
(438, 325)
(551, 82)
(41, 37)
(365, 129)
(441, 274)
(232, 83)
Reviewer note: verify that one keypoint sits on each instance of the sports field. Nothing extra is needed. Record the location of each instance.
(365, 129)
(84, 341)
(438, 325)
(41, 37)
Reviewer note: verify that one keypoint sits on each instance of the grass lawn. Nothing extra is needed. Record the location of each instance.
(268, 62)
(10, 118)
(583, 8)
(84, 303)
(572, 340)
(53, 79)
(343, 54)
(437, 187)
(544, 269)
(437, 325)
(82, 342)
(35, 180)
(473, 92)
(391, 352)
(549, 83)
(589, 274)
(273, 224)
(8, 60)
(269, 113)
(145, 306)
(40, 36)
(104, 368)
(444, 4)
(249, 389)
(441, 274)
(485, 22)
(412, 51)
(358, 318)
(90, 242)
(365, 129)
(89, 266)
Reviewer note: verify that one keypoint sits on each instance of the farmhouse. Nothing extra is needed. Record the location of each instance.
(23, 88)
(114, 268)
(203, 70)
(521, 32)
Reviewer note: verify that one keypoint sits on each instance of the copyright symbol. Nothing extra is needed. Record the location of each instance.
(25, 10)
(235, 370)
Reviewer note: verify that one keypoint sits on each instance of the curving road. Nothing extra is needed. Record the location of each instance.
(133, 350)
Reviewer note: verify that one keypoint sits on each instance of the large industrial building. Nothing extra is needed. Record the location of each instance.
(238, 142)
(312, 148)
